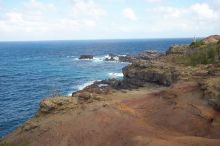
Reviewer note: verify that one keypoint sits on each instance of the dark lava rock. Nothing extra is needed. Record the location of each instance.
(120, 58)
(138, 74)
(112, 57)
(86, 57)
(126, 58)
(149, 55)
(146, 55)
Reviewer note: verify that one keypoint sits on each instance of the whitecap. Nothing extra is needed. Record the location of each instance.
(70, 94)
(83, 86)
(99, 59)
(70, 56)
(115, 75)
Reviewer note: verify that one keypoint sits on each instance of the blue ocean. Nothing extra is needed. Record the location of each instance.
(31, 71)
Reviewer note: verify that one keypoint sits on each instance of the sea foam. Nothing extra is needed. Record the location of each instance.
(115, 75)
(98, 59)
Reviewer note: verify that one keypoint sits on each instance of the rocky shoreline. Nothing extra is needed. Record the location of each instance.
(163, 99)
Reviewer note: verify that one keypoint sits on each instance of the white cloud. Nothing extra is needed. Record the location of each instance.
(36, 18)
(198, 11)
(129, 14)
(39, 6)
(87, 8)
(154, 1)
(203, 11)
(89, 23)
(217, 1)
(197, 18)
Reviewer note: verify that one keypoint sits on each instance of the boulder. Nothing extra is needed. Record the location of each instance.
(86, 57)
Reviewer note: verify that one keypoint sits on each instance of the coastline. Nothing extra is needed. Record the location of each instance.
(165, 89)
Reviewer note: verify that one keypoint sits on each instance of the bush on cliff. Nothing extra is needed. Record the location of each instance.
(197, 44)
(205, 54)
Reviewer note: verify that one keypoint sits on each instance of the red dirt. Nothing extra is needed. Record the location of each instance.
(173, 117)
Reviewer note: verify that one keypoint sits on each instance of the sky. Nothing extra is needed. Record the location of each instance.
(107, 19)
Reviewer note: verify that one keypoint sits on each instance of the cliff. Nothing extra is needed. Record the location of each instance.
(162, 100)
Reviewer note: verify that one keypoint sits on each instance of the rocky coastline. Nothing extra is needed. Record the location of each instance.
(163, 99)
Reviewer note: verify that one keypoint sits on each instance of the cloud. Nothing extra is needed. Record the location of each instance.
(39, 6)
(30, 19)
(198, 11)
(203, 11)
(196, 18)
(87, 8)
(129, 14)
(154, 1)
(36, 18)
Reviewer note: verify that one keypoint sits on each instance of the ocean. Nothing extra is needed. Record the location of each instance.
(31, 71)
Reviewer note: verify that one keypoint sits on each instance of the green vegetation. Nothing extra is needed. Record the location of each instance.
(196, 44)
(218, 49)
(205, 54)
(6, 144)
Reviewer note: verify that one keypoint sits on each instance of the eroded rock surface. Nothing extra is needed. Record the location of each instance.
(211, 89)
(52, 104)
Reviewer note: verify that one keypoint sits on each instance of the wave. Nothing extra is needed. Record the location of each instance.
(83, 86)
(70, 56)
(115, 75)
(101, 58)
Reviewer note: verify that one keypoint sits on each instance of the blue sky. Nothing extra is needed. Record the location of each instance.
(107, 19)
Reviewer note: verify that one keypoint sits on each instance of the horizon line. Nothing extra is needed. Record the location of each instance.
(51, 40)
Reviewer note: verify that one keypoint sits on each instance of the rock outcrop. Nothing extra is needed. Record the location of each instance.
(140, 73)
(86, 57)
(149, 55)
(146, 55)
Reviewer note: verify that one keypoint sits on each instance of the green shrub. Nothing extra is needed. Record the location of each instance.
(196, 44)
